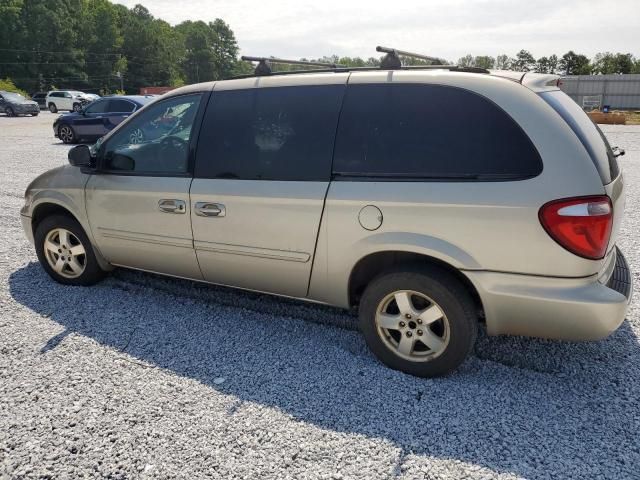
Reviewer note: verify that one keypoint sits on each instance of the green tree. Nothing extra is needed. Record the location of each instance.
(524, 62)
(466, 61)
(573, 63)
(504, 62)
(484, 61)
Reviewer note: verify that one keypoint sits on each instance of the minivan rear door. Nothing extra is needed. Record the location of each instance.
(263, 167)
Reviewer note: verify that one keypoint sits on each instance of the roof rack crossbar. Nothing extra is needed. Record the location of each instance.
(392, 58)
(408, 54)
(452, 68)
(264, 63)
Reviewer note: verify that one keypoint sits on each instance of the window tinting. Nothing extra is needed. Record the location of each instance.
(587, 131)
(429, 131)
(279, 133)
(99, 106)
(121, 106)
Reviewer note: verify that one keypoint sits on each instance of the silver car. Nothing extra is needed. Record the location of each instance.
(430, 200)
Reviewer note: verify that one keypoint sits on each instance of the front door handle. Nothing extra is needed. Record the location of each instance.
(171, 205)
(209, 209)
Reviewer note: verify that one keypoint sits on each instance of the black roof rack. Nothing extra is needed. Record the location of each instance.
(391, 61)
(264, 64)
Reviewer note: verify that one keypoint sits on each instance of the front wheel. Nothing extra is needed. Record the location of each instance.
(66, 134)
(9, 112)
(77, 107)
(65, 252)
(421, 322)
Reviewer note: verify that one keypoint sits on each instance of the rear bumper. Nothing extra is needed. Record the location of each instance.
(556, 308)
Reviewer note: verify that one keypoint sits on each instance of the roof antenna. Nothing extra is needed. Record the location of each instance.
(264, 64)
(391, 61)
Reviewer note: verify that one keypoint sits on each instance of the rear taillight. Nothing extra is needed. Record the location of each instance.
(581, 225)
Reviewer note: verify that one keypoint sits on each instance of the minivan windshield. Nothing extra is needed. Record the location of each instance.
(587, 131)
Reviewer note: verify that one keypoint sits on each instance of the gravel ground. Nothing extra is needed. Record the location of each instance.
(147, 377)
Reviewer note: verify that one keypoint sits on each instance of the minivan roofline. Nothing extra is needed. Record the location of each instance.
(538, 82)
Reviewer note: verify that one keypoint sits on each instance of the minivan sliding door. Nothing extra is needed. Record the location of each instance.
(263, 167)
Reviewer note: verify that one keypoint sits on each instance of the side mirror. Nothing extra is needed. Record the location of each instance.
(80, 156)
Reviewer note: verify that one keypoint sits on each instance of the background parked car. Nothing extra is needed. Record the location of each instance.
(71, 100)
(97, 118)
(13, 104)
(40, 98)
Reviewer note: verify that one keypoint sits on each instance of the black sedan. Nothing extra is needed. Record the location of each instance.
(13, 104)
(97, 118)
(40, 98)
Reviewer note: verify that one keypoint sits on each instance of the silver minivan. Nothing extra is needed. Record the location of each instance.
(430, 200)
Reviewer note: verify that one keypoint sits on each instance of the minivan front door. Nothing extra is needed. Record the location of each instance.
(138, 205)
(262, 172)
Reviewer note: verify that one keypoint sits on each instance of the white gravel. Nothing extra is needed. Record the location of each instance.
(147, 377)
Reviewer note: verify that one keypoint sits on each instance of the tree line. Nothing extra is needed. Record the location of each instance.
(570, 63)
(95, 45)
(98, 46)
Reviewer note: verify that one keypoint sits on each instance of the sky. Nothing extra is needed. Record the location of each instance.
(443, 28)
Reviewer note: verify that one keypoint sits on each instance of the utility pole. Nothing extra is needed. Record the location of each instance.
(121, 77)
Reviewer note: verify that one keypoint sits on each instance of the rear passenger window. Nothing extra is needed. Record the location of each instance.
(273, 133)
(120, 106)
(429, 131)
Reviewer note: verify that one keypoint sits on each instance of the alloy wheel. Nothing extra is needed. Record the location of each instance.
(412, 325)
(9, 112)
(66, 134)
(136, 137)
(65, 253)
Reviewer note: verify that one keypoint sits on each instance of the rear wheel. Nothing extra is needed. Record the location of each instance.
(9, 112)
(66, 134)
(53, 108)
(65, 252)
(421, 322)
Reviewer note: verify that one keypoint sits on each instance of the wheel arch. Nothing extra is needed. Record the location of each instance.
(376, 263)
(48, 208)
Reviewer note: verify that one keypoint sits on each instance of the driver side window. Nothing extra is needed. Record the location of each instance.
(155, 141)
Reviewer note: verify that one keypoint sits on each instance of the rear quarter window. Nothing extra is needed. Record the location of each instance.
(429, 132)
(587, 131)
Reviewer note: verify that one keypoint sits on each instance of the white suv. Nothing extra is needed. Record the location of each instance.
(71, 100)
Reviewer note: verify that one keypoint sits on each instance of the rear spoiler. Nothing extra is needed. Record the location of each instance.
(538, 82)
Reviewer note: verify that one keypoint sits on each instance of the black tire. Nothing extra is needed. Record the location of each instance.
(67, 134)
(92, 272)
(77, 107)
(35, 114)
(9, 112)
(451, 298)
(53, 108)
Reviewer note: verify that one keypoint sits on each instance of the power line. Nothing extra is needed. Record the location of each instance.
(58, 52)
(53, 63)
(80, 53)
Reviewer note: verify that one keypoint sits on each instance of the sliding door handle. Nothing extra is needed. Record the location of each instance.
(209, 209)
(171, 205)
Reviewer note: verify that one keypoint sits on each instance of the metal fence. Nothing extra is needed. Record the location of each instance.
(596, 91)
